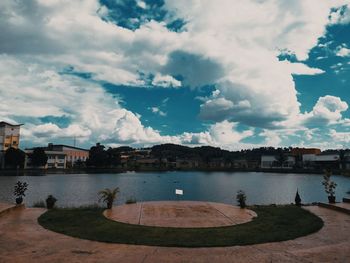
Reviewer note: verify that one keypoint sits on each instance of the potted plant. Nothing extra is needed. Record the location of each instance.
(108, 196)
(19, 192)
(329, 186)
(50, 202)
(241, 198)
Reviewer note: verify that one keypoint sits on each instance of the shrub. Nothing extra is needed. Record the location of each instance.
(297, 199)
(241, 198)
(50, 202)
(108, 196)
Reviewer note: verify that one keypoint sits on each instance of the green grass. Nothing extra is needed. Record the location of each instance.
(274, 223)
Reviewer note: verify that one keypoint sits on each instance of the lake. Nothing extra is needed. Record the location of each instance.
(260, 188)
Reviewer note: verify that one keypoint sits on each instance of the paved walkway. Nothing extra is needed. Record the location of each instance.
(23, 240)
(4, 207)
(180, 214)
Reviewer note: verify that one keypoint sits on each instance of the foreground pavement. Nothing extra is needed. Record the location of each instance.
(22, 239)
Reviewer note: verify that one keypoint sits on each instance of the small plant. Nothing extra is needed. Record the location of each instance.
(297, 199)
(130, 200)
(329, 186)
(19, 192)
(241, 198)
(39, 204)
(50, 202)
(108, 196)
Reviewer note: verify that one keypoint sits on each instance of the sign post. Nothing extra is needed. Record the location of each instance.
(179, 192)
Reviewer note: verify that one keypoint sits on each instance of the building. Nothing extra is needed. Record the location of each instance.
(60, 156)
(55, 159)
(322, 161)
(271, 161)
(302, 151)
(73, 154)
(9, 137)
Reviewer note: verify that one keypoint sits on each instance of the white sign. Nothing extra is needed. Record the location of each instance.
(179, 192)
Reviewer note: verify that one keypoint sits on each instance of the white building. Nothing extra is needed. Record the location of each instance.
(55, 159)
(321, 161)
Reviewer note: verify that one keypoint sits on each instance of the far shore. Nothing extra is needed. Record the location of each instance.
(33, 172)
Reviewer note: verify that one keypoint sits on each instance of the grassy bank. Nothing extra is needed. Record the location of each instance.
(272, 224)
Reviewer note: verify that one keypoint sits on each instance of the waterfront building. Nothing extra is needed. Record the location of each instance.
(73, 154)
(271, 161)
(55, 159)
(59, 156)
(322, 161)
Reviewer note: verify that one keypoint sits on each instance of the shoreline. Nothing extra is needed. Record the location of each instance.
(41, 172)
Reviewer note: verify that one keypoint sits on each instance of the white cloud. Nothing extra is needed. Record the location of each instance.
(341, 15)
(343, 52)
(158, 111)
(141, 4)
(233, 45)
(327, 110)
(165, 81)
(302, 69)
(339, 137)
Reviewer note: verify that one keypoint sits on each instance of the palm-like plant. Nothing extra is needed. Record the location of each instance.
(108, 196)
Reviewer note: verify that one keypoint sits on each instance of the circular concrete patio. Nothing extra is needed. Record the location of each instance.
(186, 214)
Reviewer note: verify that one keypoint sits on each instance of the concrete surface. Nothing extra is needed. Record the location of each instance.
(23, 240)
(7, 208)
(180, 214)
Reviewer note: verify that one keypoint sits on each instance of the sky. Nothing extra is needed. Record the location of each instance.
(231, 74)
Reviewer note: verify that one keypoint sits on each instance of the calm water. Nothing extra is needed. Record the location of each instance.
(261, 188)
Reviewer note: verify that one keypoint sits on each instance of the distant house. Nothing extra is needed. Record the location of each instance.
(271, 161)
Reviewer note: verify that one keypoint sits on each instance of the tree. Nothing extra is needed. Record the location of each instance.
(98, 157)
(114, 156)
(14, 158)
(281, 159)
(38, 157)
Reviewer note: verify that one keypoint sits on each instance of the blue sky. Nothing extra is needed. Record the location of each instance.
(232, 74)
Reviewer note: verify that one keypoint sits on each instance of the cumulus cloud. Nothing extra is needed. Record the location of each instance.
(233, 46)
(339, 137)
(327, 110)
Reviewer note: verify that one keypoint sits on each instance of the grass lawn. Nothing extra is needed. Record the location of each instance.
(274, 223)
